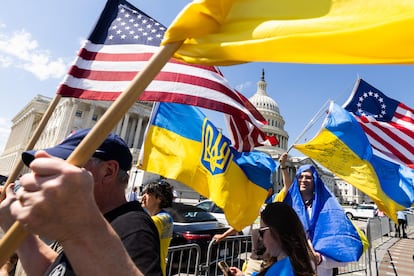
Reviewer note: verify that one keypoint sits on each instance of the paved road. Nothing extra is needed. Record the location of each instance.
(398, 259)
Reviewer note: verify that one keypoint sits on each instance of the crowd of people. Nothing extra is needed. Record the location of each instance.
(100, 231)
(84, 210)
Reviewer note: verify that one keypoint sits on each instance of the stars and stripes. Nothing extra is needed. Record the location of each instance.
(120, 45)
(388, 123)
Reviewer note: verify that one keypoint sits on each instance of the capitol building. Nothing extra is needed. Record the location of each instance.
(71, 114)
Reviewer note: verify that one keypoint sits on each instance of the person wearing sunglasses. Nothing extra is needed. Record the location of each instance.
(287, 249)
(325, 222)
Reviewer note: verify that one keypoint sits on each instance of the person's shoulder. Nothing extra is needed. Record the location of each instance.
(129, 213)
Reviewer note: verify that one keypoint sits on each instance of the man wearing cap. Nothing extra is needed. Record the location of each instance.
(85, 210)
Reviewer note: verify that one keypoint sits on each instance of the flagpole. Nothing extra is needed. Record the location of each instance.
(310, 124)
(30, 145)
(16, 234)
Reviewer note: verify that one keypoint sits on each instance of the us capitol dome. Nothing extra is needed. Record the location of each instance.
(275, 122)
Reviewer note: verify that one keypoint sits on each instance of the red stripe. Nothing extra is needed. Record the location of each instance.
(101, 75)
(384, 143)
(404, 118)
(67, 91)
(388, 146)
(252, 108)
(115, 57)
(166, 76)
(403, 106)
(134, 57)
(192, 100)
(242, 117)
(395, 137)
(400, 127)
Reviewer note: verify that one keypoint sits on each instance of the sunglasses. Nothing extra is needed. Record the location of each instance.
(263, 230)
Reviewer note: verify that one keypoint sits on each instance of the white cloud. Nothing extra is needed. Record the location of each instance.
(5, 61)
(243, 86)
(22, 51)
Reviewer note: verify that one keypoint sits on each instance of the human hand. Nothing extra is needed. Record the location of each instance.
(282, 159)
(235, 271)
(6, 219)
(218, 237)
(56, 200)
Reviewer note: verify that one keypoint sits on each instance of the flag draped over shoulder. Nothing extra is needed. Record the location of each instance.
(182, 144)
(388, 124)
(320, 31)
(342, 147)
(330, 230)
(120, 45)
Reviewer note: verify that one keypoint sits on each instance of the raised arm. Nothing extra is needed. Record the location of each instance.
(287, 180)
(219, 237)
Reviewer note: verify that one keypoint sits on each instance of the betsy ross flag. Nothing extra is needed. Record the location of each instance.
(388, 123)
(342, 147)
(119, 47)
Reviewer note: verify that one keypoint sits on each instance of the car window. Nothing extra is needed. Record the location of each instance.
(192, 216)
(216, 209)
(188, 213)
(204, 205)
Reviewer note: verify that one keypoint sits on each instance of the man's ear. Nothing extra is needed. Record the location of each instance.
(112, 169)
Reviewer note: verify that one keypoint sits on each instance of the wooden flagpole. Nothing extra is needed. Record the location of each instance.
(30, 145)
(17, 233)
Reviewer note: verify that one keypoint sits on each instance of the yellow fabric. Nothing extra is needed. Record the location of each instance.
(173, 156)
(337, 157)
(165, 229)
(320, 31)
(280, 196)
(364, 239)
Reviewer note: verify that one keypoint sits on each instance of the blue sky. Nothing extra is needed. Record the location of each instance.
(39, 40)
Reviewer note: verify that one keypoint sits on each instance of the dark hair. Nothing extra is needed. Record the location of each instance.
(286, 226)
(162, 190)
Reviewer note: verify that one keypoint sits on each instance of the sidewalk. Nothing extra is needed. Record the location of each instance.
(398, 258)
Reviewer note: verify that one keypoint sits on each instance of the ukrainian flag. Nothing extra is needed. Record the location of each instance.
(343, 148)
(182, 144)
(329, 229)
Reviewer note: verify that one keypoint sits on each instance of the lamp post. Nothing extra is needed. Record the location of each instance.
(134, 179)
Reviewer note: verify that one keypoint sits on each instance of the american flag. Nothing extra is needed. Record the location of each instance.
(388, 123)
(120, 45)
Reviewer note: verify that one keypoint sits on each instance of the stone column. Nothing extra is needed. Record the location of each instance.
(124, 126)
(131, 134)
(137, 133)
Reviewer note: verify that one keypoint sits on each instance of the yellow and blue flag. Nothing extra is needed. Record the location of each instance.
(182, 144)
(320, 31)
(343, 147)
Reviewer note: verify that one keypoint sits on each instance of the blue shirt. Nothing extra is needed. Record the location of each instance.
(281, 268)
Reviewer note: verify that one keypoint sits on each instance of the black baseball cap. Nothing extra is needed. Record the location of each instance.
(113, 148)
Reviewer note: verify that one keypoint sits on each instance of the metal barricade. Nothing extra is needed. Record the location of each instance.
(183, 260)
(354, 268)
(234, 250)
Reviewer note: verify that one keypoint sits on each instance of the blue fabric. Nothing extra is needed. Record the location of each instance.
(382, 110)
(281, 268)
(331, 232)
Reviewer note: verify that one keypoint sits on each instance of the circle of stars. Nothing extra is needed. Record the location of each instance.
(378, 98)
